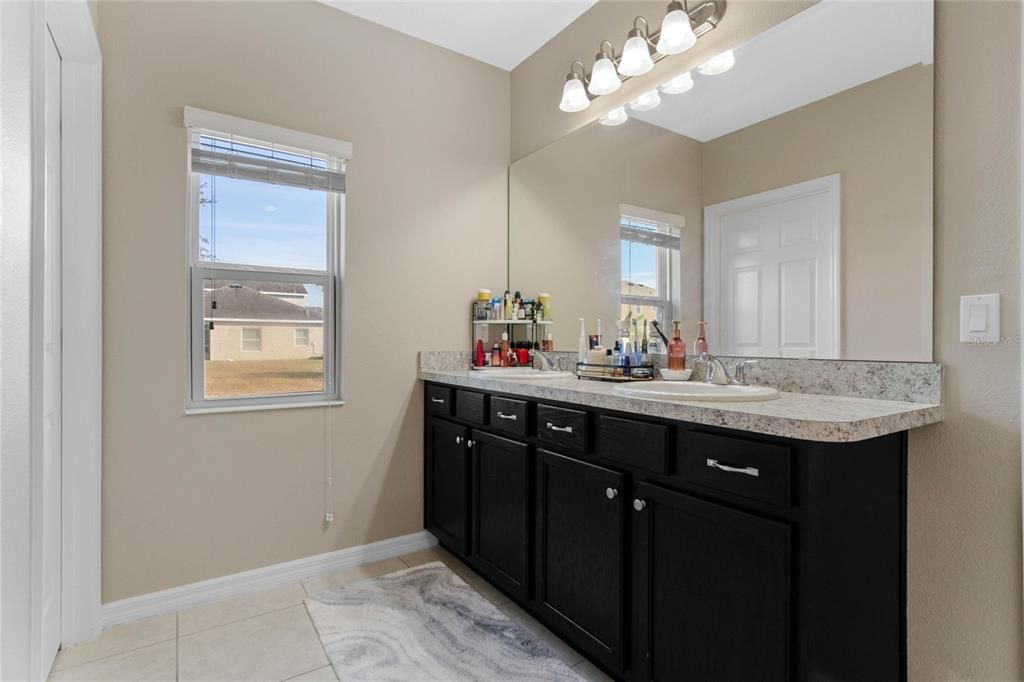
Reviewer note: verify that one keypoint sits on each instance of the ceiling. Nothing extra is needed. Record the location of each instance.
(826, 49)
(498, 32)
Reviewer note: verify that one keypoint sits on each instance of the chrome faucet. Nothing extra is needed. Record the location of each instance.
(546, 363)
(715, 371)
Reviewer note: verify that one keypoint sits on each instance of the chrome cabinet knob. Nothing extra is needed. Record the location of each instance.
(458, 440)
(639, 504)
(469, 444)
(611, 493)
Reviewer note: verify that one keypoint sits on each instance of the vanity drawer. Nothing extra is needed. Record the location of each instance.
(471, 406)
(748, 468)
(634, 443)
(439, 400)
(509, 415)
(561, 426)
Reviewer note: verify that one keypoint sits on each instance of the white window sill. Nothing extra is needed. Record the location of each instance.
(261, 408)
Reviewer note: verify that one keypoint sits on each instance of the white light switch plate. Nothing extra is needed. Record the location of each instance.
(979, 318)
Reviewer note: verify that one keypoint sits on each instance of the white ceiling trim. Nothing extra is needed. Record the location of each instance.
(498, 32)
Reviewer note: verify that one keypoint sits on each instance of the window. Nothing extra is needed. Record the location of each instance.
(650, 265)
(266, 236)
(252, 339)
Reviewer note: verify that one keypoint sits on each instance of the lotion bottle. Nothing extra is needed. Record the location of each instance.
(676, 349)
(700, 346)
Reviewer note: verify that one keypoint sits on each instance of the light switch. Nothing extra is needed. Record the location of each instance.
(979, 318)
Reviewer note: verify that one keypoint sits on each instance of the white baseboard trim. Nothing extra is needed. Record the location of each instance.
(215, 589)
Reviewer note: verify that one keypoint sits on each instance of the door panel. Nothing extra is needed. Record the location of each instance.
(772, 271)
(580, 553)
(712, 597)
(500, 511)
(446, 471)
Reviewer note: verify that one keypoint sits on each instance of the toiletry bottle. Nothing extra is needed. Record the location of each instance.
(583, 346)
(548, 344)
(479, 360)
(504, 349)
(508, 305)
(676, 349)
(545, 302)
(700, 346)
(496, 356)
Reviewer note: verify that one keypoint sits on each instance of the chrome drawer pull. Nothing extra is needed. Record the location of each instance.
(749, 471)
(502, 415)
(563, 429)
(437, 400)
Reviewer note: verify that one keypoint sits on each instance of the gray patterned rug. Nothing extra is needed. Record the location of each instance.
(426, 623)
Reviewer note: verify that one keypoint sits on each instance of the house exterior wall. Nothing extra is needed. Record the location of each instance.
(278, 342)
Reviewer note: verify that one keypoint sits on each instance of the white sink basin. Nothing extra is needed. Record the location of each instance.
(521, 374)
(693, 390)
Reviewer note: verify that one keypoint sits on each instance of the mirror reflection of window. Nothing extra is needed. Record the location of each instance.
(649, 265)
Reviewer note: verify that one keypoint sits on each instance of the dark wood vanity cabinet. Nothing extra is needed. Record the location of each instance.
(670, 551)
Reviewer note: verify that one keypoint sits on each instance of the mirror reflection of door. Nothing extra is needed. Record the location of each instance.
(771, 272)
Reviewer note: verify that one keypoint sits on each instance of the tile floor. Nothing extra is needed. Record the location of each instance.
(262, 636)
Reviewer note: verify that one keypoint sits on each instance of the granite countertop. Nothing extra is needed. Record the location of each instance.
(804, 416)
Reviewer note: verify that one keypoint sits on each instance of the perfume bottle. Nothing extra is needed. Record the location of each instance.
(676, 349)
(700, 346)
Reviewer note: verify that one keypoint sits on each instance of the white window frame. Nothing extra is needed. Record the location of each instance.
(295, 336)
(668, 262)
(242, 339)
(330, 279)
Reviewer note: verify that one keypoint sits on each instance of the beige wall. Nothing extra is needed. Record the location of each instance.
(190, 498)
(878, 137)
(278, 342)
(564, 219)
(965, 476)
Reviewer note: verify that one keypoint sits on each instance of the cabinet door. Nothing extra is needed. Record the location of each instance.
(712, 585)
(580, 570)
(500, 511)
(446, 479)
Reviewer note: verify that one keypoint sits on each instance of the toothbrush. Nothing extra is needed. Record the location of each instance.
(636, 344)
(657, 328)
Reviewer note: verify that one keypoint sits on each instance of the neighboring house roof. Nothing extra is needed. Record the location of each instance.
(236, 302)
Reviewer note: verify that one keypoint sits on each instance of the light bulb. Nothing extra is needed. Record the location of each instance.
(615, 117)
(646, 101)
(678, 85)
(636, 58)
(604, 80)
(676, 31)
(574, 96)
(718, 64)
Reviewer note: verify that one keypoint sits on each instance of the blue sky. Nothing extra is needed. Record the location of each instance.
(258, 223)
(639, 263)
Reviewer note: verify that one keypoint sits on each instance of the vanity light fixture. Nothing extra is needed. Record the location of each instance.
(678, 85)
(636, 54)
(676, 31)
(574, 94)
(718, 64)
(615, 117)
(604, 80)
(680, 29)
(645, 102)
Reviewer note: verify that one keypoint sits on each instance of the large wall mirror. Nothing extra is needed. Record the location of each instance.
(787, 202)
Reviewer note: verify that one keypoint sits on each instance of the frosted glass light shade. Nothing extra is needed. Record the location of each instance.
(574, 96)
(646, 101)
(615, 117)
(604, 80)
(636, 58)
(718, 64)
(676, 33)
(678, 85)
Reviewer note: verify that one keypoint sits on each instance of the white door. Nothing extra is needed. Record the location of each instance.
(51, 417)
(771, 272)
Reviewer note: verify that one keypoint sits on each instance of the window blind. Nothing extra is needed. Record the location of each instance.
(645, 235)
(228, 162)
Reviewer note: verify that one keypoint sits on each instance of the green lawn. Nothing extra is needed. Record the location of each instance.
(256, 377)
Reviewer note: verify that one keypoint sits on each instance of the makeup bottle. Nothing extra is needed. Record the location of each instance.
(676, 349)
(504, 349)
(496, 356)
(479, 359)
(700, 346)
(508, 305)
